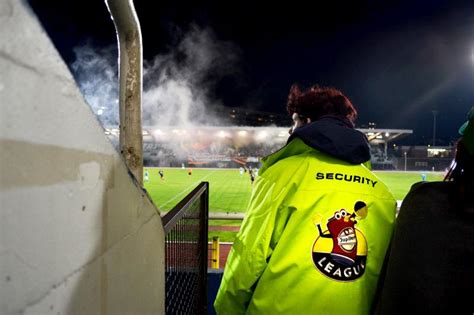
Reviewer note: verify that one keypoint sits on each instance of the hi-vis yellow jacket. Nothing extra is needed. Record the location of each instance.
(313, 240)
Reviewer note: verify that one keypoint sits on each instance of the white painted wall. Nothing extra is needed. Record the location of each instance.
(77, 236)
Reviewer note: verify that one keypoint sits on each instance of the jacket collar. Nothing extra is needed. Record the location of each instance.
(329, 134)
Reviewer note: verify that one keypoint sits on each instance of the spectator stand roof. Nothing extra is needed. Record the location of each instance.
(384, 136)
(151, 134)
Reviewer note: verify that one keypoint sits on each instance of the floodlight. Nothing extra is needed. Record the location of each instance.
(222, 134)
(158, 132)
(261, 135)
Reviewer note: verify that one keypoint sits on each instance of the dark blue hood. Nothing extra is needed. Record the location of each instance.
(336, 137)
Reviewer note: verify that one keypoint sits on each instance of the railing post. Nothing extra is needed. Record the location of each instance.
(215, 253)
(130, 77)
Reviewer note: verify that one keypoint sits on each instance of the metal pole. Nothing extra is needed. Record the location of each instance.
(405, 154)
(130, 76)
(435, 112)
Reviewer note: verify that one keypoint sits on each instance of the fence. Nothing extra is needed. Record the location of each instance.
(413, 164)
(186, 253)
(423, 164)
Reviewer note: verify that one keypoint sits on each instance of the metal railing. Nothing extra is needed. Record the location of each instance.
(186, 253)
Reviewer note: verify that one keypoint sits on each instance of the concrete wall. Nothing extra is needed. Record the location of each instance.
(77, 236)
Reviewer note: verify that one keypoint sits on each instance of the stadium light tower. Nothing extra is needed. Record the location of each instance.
(435, 112)
(405, 154)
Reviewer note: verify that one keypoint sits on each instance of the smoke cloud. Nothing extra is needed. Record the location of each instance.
(177, 99)
(95, 71)
(177, 86)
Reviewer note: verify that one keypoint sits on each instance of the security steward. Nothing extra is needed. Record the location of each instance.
(319, 222)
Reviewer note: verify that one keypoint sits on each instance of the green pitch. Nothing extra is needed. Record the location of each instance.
(230, 192)
(399, 183)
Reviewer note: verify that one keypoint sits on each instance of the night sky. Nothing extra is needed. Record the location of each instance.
(396, 60)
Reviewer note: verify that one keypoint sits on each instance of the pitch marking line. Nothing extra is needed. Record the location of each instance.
(187, 189)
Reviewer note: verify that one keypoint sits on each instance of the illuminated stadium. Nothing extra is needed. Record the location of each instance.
(229, 147)
(131, 165)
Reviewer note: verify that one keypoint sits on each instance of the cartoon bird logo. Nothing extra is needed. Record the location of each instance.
(346, 239)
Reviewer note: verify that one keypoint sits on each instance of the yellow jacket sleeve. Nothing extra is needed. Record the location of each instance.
(253, 246)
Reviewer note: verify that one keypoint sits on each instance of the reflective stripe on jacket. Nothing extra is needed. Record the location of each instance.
(313, 240)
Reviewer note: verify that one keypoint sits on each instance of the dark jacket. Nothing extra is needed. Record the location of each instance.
(430, 266)
(336, 137)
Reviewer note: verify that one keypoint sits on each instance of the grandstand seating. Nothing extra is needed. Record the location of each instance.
(232, 147)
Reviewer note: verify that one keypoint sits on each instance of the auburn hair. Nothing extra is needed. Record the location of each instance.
(317, 101)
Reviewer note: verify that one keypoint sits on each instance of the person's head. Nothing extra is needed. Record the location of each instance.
(312, 104)
(463, 165)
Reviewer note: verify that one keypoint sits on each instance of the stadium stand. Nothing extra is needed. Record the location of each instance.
(232, 147)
